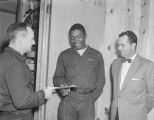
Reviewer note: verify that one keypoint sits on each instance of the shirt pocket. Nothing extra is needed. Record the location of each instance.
(91, 64)
(70, 65)
(90, 68)
(70, 68)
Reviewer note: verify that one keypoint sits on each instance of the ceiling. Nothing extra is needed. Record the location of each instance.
(10, 6)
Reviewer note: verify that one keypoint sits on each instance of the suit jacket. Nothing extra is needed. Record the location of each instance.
(138, 84)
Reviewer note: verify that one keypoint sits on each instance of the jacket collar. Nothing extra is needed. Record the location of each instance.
(15, 53)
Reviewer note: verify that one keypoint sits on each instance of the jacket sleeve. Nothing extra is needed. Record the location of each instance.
(21, 91)
(150, 86)
(100, 77)
(59, 75)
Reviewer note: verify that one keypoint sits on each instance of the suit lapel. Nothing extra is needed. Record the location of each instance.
(118, 75)
(131, 71)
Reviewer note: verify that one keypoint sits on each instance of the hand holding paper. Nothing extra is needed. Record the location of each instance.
(48, 92)
(63, 87)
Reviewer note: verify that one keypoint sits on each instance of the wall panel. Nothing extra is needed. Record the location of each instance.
(5, 20)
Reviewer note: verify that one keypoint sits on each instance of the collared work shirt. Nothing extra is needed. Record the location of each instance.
(86, 71)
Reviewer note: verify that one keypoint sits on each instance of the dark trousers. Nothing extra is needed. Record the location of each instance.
(117, 115)
(13, 116)
(71, 110)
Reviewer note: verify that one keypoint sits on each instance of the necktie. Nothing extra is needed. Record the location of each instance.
(123, 60)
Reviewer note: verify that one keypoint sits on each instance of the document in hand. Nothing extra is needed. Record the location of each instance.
(55, 88)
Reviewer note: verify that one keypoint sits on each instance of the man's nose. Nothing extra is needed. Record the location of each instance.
(76, 40)
(33, 42)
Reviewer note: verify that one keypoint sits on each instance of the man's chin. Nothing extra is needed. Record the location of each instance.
(77, 48)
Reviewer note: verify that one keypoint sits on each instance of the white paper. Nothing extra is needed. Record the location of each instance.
(54, 88)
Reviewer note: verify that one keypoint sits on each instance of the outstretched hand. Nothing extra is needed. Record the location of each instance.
(64, 91)
(48, 92)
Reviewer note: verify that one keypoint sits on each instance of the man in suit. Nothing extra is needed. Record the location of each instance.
(133, 81)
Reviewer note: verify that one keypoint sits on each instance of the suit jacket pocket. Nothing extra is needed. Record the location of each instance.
(137, 85)
(136, 79)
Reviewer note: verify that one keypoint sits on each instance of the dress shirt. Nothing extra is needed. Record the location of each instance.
(125, 68)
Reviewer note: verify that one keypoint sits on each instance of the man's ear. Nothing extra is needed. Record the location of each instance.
(85, 35)
(134, 45)
(19, 40)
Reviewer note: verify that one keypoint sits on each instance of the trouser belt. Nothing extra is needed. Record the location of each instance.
(82, 92)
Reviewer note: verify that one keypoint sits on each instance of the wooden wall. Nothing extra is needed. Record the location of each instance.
(5, 20)
(136, 15)
(111, 17)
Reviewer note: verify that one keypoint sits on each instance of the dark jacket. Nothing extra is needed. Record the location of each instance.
(17, 83)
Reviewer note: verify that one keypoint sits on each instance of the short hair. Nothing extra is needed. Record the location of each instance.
(131, 36)
(78, 26)
(14, 28)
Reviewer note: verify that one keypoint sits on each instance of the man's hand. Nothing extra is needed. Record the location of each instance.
(48, 92)
(64, 92)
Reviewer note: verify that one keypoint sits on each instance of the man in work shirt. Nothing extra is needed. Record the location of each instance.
(17, 96)
(83, 67)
